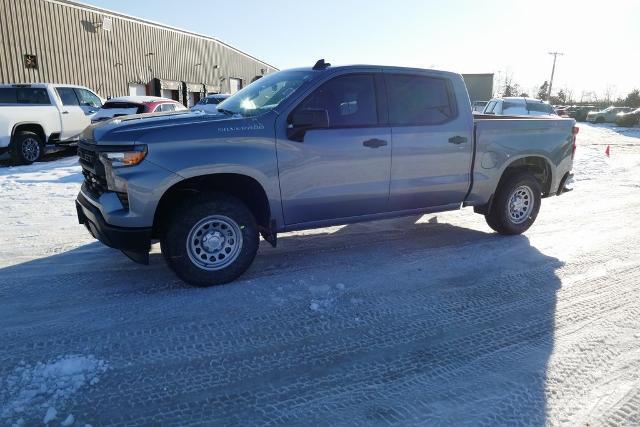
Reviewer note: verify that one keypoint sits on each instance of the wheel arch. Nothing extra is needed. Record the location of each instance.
(539, 166)
(244, 187)
(34, 127)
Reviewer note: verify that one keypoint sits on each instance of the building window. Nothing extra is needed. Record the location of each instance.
(31, 61)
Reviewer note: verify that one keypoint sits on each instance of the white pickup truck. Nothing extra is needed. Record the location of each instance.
(34, 115)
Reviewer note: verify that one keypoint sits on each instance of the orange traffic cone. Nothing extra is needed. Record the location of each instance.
(607, 151)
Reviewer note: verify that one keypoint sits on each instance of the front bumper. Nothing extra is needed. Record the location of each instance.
(133, 242)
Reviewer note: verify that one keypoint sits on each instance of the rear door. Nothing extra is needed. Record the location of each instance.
(343, 170)
(73, 118)
(432, 141)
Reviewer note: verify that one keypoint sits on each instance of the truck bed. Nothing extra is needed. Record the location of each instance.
(500, 140)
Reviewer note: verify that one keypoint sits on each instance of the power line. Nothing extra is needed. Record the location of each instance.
(553, 70)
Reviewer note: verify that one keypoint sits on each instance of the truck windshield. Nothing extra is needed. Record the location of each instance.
(265, 94)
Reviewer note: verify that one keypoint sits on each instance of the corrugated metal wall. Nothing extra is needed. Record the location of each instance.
(72, 47)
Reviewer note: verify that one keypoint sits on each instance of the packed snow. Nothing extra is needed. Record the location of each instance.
(423, 320)
(46, 385)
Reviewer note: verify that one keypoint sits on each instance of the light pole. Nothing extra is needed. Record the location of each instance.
(553, 70)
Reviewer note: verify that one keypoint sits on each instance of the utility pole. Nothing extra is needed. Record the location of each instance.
(553, 70)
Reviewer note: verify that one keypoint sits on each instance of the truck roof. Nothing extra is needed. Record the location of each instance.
(381, 67)
(40, 85)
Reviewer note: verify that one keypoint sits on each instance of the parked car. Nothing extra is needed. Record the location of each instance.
(308, 148)
(37, 114)
(561, 111)
(127, 105)
(608, 115)
(478, 106)
(630, 118)
(518, 106)
(580, 112)
(210, 103)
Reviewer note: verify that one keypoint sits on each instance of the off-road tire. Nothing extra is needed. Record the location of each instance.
(499, 217)
(26, 147)
(184, 220)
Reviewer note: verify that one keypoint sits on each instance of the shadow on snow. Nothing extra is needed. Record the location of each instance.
(416, 322)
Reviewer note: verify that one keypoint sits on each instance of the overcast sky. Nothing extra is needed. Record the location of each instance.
(600, 39)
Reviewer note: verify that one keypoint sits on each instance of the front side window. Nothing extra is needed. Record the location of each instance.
(67, 96)
(349, 100)
(89, 99)
(419, 100)
(265, 94)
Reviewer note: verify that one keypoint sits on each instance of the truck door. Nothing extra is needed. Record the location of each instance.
(432, 141)
(72, 117)
(341, 170)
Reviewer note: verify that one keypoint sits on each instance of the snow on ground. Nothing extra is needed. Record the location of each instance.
(46, 385)
(422, 320)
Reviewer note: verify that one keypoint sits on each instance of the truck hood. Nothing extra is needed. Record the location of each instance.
(128, 129)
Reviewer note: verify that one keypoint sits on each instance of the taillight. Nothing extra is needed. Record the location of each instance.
(574, 132)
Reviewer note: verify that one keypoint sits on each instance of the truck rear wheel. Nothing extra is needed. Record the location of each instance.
(26, 148)
(210, 240)
(515, 205)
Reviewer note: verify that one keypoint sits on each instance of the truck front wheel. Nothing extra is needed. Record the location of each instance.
(515, 205)
(26, 148)
(210, 240)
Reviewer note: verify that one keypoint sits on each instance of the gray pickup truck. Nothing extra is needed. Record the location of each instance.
(307, 148)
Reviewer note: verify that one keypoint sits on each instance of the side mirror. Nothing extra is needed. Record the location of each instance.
(303, 120)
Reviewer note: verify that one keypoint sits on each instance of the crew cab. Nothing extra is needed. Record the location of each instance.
(307, 148)
(34, 115)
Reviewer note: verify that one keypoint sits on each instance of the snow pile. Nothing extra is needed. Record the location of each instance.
(46, 385)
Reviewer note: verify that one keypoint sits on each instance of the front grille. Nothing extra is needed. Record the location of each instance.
(95, 181)
(87, 157)
(96, 185)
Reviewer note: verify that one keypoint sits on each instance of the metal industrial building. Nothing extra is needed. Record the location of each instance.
(61, 41)
(479, 86)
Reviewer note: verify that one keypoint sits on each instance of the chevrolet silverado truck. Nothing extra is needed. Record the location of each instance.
(306, 148)
(33, 116)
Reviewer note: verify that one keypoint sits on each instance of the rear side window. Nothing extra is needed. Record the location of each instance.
(24, 95)
(67, 96)
(419, 100)
(349, 100)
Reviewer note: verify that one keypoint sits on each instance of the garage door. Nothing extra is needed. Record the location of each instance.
(234, 85)
(137, 89)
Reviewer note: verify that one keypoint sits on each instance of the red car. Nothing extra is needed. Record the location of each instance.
(127, 105)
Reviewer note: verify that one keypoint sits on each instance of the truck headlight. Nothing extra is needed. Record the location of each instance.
(129, 157)
(113, 160)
